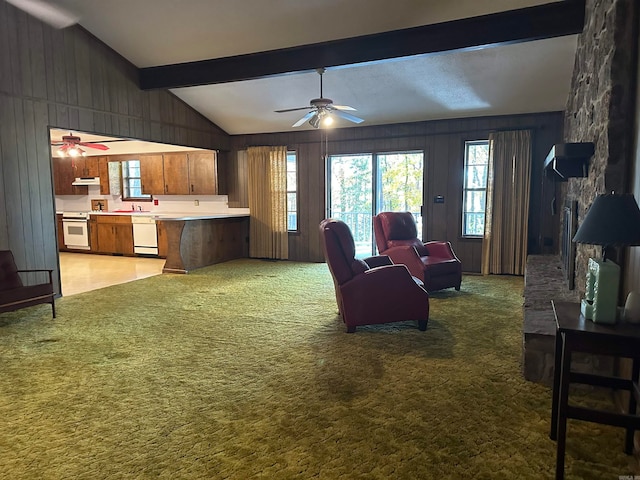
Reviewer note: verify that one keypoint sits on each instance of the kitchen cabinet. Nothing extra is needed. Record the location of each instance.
(176, 174)
(63, 177)
(113, 234)
(181, 173)
(60, 231)
(109, 173)
(163, 244)
(193, 173)
(103, 173)
(85, 166)
(93, 233)
(203, 173)
(152, 174)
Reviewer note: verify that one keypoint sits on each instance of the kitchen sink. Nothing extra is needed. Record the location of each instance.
(130, 211)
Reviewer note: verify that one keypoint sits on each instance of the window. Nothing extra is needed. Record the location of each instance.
(292, 192)
(476, 165)
(131, 181)
(362, 185)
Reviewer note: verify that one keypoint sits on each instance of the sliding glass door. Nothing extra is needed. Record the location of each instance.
(363, 185)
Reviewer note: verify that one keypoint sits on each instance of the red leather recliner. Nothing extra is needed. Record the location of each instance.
(434, 263)
(366, 292)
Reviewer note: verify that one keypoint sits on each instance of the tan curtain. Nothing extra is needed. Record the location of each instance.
(504, 248)
(267, 171)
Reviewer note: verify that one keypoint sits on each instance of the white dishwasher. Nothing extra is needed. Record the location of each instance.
(145, 235)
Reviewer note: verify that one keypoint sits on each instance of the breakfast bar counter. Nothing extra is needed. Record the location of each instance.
(202, 240)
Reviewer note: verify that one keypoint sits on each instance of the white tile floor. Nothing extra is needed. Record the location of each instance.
(81, 272)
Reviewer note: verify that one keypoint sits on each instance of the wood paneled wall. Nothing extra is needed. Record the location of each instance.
(68, 79)
(632, 266)
(442, 142)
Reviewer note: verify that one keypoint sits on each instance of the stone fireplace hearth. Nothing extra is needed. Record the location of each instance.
(545, 281)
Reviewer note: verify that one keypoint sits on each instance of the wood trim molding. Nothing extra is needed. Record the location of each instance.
(514, 26)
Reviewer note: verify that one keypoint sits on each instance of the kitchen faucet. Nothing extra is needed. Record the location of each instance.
(139, 208)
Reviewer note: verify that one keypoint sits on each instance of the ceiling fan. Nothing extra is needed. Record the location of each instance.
(70, 146)
(322, 110)
(47, 12)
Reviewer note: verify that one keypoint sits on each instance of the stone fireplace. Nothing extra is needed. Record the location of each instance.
(600, 109)
(567, 247)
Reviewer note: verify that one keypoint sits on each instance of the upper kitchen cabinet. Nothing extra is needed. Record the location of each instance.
(63, 175)
(176, 174)
(103, 173)
(152, 174)
(86, 166)
(193, 173)
(203, 173)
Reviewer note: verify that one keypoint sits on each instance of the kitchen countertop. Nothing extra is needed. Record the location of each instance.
(191, 216)
(175, 215)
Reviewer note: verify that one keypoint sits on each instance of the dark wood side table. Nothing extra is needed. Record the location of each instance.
(574, 333)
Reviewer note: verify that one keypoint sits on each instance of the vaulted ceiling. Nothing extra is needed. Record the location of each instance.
(249, 58)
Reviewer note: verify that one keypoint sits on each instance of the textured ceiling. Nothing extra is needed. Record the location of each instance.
(520, 78)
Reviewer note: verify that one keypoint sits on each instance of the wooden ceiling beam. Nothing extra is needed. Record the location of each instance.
(514, 26)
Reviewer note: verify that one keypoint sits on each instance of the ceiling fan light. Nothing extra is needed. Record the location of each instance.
(327, 121)
(315, 121)
(76, 152)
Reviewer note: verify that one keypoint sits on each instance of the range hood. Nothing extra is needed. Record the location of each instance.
(86, 181)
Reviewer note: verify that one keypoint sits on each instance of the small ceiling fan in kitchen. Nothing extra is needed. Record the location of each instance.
(322, 110)
(71, 146)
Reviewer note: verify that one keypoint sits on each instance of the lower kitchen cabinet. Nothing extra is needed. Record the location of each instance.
(60, 228)
(163, 244)
(111, 234)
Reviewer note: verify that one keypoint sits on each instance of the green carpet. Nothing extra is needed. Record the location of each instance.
(244, 370)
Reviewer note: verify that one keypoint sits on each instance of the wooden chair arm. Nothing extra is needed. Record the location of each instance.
(34, 270)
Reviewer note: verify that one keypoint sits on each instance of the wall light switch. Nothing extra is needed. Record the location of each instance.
(196, 202)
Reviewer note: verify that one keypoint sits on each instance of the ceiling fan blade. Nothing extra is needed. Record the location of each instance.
(304, 119)
(292, 109)
(343, 107)
(347, 116)
(55, 16)
(94, 145)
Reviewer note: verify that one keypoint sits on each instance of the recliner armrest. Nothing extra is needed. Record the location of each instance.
(421, 250)
(387, 280)
(439, 249)
(378, 261)
(406, 255)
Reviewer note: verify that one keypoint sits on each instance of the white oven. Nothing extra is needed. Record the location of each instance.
(76, 230)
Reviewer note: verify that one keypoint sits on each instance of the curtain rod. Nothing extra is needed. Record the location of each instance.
(414, 135)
